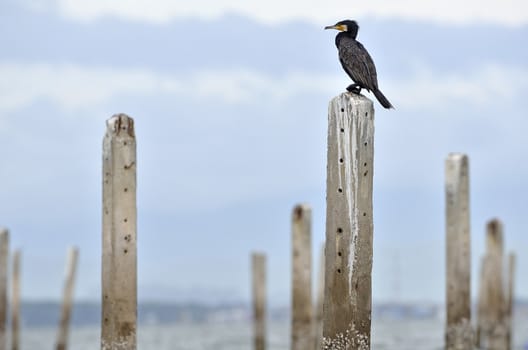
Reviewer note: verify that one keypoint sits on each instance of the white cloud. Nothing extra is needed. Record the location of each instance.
(510, 12)
(483, 85)
(72, 87)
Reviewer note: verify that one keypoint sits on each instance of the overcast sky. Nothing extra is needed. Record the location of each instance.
(510, 12)
(230, 102)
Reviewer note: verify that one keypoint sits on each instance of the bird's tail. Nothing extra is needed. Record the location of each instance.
(382, 99)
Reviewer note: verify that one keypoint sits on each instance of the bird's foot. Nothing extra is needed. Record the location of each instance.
(354, 88)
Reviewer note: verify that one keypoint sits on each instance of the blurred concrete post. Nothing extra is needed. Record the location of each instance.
(15, 302)
(459, 335)
(119, 272)
(67, 300)
(4, 259)
(259, 299)
(481, 300)
(301, 331)
(349, 225)
(492, 314)
(318, 312)
(510, 300)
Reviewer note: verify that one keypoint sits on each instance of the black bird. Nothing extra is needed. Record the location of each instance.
(356, 61)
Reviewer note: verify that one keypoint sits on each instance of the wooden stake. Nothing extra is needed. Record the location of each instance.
(119, 272)
(15, 303)
(4, 258)
(71, 266)
(259, 300)
(301, 331)
(459, 334)
(349, 225)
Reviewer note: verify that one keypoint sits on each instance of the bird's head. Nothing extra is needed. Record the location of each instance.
(345, 26)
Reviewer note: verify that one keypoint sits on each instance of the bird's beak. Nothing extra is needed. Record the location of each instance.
(340, 27)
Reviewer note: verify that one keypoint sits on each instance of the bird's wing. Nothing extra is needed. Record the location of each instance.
(358, 64)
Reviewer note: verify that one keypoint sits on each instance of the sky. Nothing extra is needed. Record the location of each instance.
(230, 105)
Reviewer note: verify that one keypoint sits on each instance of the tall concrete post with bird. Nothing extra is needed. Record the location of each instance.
(347, 307)
(349, 224)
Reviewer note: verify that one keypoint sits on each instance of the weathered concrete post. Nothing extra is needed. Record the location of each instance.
(510, 299)
(319, 301)
(67, 300)
(301, 331)
(482, 299)
(458, 334)
(119, 279)
(259, 300)
(15, 302)
(492, 320)
(4, 258)
(349, 225)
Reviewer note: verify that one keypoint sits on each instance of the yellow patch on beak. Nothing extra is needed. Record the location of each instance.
(340, 27)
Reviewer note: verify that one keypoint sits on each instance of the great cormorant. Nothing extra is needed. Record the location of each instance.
(356, 61)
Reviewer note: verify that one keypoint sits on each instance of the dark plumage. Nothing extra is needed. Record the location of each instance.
(356, 61)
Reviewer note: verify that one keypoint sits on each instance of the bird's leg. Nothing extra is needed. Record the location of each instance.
(354, 88)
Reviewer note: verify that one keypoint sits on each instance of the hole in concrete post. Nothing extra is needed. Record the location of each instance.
(340, 190)
(340, 160)
(338, 270)
(342, 130)
(339, 253)
(339, 230)
(342, 109)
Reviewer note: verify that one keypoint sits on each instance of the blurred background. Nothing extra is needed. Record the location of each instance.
(230, 105)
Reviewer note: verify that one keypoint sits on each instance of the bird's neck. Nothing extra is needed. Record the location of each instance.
(343, 35)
